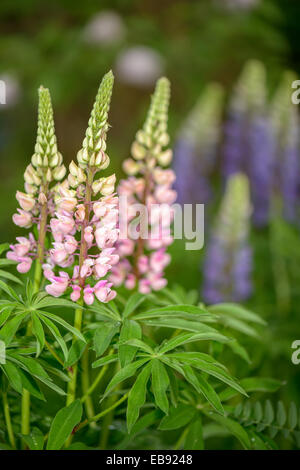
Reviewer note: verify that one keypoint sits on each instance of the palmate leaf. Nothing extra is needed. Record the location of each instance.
(49, 301)
(60, 321)
(56, 333)
(137, 396)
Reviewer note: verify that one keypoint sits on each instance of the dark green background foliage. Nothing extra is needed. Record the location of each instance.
(41, 43)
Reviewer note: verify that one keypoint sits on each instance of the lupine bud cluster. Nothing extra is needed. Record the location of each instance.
(85, 230)
(143, 260)
(285, 126)
(228, 261)
(196, 148)
(41, 175)
(248, 143)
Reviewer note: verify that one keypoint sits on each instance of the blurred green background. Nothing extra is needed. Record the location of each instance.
(67, 46)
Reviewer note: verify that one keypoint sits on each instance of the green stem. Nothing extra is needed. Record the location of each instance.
(10, 431)
(25, 403)
(103, 413)
(73, 373)
(108, 419)
(85, 382)
(54, 353)
(97, 380)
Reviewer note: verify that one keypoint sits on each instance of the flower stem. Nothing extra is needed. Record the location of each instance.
(10, 431)
(85, 382)
(97, 380)
(73, 374)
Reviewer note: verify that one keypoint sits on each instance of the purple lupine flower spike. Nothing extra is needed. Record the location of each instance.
(196, 148)
(228, 263)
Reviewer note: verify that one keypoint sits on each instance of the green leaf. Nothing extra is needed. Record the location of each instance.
(160, 383)
(63, 323)
(194, 438)
(56, 333)
(177, 418)
(5, 314)
(49, 301)
(13, 376)
(240, 326)
(182, 324)
(103, 336)
(185, 311)
(137, 396)
(253, 384)
(38, 331)
(35, 440)
(129, 330)
(203, 387)
(75, 353)
(237, 311)
(293, 416)
(189, 338)
(105, 360)
(10, 277)
(30, 384)
(233, 427)
(138, 344)
(281, 414)
(269, 413)
(10, 328)
(105, 310)
(4, 247)
(133, 303)
(8, 290)
(123, 374)
(63, 424)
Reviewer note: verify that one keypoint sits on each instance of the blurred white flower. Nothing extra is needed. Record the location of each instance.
(237, 4)
(10, 90)
(139, 65)
(106, 27)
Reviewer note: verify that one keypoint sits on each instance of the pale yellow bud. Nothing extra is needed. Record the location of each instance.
(73, 168)
(49, 175)
(130, 167)
(109, 185)
(165, 157)
(59, 172)
(73, 181)
(138, 151)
